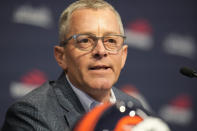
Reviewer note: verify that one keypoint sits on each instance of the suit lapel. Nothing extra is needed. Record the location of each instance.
(72, 108)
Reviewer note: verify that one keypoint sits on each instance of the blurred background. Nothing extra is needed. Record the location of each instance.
(161, 35)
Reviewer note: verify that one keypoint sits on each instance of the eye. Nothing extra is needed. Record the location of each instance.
(84, 40)
(111, 41)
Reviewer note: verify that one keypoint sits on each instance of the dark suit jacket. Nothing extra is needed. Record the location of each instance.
(52, 107)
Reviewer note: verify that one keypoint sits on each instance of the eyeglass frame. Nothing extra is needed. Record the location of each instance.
(63, 43)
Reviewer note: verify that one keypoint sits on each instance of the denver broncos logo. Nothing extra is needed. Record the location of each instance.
(110, 117)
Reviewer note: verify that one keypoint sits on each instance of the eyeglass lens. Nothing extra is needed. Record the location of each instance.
(88, 42)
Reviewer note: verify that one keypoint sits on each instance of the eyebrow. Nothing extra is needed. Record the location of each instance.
(105, 33)
(111, 33)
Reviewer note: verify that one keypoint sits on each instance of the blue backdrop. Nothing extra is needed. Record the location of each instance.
(161, 36)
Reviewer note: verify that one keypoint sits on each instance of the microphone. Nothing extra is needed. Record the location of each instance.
(188, 72)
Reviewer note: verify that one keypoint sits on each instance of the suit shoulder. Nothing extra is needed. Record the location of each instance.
(121, 96)
(40, 96)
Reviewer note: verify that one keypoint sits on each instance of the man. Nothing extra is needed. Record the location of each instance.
(92, 54)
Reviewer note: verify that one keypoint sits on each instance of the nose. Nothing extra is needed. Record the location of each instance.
(99, 51)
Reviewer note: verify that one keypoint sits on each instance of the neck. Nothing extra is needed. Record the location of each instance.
(101, 95)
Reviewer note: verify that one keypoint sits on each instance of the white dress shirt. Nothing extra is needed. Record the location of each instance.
(88, 102)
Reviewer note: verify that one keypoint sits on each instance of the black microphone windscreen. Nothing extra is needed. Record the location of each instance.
(187, 72)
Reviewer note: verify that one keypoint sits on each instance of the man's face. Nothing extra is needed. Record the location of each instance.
(98, 68)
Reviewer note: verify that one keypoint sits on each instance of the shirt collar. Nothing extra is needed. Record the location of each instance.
(88, 102)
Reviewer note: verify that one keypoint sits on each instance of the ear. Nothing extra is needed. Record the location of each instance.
(59, 54)
(124, 55)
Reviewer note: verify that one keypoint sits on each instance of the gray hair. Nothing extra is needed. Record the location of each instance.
(64, 19)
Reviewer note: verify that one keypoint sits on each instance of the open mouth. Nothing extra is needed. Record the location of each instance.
(99, 67)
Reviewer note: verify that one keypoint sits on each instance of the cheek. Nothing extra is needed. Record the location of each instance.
(71, 61)
(117, 67)
(76, 64)
(118, 62)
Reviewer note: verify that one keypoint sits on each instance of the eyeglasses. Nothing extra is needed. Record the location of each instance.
(88, 42)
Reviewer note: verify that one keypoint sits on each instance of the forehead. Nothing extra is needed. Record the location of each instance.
(98, 21)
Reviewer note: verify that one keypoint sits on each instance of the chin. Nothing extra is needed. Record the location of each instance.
(102, 84)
